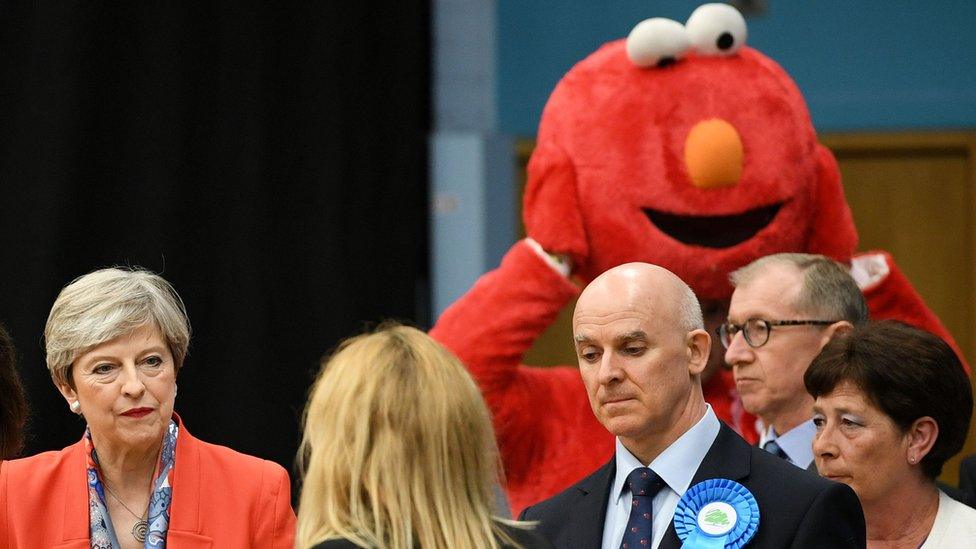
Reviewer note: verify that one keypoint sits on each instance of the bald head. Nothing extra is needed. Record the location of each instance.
(642, 349)
(648, 288)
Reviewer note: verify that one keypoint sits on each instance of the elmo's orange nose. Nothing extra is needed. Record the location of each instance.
(713, 154)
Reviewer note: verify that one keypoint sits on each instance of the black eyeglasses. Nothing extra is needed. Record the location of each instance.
(756, 330)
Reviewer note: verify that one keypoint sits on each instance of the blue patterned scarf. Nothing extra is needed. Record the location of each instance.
(102, 533)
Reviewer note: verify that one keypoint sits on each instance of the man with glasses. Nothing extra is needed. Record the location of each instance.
(784, 309)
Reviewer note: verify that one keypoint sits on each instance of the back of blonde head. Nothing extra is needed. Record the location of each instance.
(398, 449)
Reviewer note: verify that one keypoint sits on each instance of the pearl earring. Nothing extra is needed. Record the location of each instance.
(912, 460)
(75, 407)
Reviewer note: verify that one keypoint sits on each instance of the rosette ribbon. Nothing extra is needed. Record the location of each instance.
(716, 514)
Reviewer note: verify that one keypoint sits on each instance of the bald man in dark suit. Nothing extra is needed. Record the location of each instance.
(641, 345)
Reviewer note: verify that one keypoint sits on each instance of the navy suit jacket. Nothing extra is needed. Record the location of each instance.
(797, 509)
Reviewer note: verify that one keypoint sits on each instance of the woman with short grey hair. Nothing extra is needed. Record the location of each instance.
(116, 340)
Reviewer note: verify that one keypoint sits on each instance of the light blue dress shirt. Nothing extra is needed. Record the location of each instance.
(797, 443)
(676, 466)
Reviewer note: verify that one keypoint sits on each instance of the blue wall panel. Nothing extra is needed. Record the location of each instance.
(862, 65)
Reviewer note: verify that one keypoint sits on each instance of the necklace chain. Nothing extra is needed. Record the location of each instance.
(122, 503)
(140, 528)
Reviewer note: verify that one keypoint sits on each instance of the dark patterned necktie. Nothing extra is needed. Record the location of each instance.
(644, 484)
(774, 449)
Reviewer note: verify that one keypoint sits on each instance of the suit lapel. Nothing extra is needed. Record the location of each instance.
(184, 511)
(184, 525)
(589, 510)
(728, 457)
(75, 519)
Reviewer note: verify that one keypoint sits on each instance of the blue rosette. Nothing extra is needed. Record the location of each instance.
(716, 514)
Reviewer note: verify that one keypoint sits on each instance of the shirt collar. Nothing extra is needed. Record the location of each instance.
(677, 464)
(797, 443)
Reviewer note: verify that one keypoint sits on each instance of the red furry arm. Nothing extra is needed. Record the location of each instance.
(490, 328)
(891, 296)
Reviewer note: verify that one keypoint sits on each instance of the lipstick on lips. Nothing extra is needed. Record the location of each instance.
(137, 412)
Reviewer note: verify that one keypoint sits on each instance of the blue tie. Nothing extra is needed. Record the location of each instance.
(644, 484)
(774, 449)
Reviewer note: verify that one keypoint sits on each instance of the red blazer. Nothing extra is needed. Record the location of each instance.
(221, 498)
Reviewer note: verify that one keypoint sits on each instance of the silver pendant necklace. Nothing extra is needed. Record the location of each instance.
(141, 527)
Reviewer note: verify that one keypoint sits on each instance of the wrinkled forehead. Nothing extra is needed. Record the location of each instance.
(774, 291)
(846, 396)
(611, 327)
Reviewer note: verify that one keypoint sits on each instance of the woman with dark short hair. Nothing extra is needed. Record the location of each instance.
(13, 405)
(892, 404)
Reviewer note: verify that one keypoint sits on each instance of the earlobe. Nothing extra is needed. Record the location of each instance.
(68, 393)
(71, 397)
(699, 346)
(921, 437)
(840, 327)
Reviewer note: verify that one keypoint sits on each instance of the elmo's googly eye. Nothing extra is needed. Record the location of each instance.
(716, 29)
(657, 42)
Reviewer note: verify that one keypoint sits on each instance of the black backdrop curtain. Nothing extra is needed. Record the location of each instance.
(269, 161)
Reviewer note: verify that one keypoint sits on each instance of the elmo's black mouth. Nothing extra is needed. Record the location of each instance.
(716, 231)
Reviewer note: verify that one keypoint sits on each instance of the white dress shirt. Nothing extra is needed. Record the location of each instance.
(797, 443)
(676, 466)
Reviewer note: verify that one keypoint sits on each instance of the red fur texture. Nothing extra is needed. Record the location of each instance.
(547, 434)
(611, 147)
(893, 297)
(611, 143)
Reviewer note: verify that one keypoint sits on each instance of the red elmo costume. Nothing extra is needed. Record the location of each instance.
(701, 160)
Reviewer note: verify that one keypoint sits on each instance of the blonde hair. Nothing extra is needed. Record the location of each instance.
(398, 449)
(106, 304)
